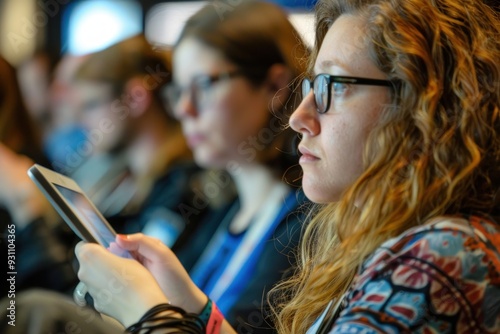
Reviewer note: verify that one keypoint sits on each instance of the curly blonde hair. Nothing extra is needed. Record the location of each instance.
(435, 151)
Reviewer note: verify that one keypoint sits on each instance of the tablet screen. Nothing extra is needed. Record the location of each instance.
(86, 212)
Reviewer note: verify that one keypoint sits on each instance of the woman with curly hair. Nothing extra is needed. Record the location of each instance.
(400, 143)
(407, 170)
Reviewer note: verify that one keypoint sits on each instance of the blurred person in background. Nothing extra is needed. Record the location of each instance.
(17, 127)
(139, 169)
(63, 135)
(41, 248)
(34, 75)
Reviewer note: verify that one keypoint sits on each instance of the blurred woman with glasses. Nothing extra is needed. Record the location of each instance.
(233, 90)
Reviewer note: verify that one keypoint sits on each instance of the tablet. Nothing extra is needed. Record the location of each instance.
(75, 207)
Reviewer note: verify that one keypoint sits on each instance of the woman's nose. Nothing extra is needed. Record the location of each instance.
(304, 119)
(185, 105)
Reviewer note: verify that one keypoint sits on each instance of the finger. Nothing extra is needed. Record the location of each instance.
(114, 248)
(86, 250)
(147, 247)
(78, 247)
(79, 294)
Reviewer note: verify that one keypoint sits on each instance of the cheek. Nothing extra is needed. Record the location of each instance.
(107, 130)
(218, 138)
(343, 160)
(341, 163)
(217, 124)
(345, 155)
(342, 139)
(236, 120)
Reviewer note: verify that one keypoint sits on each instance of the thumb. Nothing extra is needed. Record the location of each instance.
(147, 247)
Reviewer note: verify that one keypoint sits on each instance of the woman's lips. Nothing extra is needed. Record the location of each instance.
(194, 139)
(307, 155)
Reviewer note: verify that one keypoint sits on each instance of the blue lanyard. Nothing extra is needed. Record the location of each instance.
(210, 260)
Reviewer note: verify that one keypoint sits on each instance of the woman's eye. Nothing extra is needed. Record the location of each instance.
(339, 88)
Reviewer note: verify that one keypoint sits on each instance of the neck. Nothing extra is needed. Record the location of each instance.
(254, 184)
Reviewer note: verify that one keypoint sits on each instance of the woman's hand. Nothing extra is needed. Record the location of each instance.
(121, 288)
(166, 269)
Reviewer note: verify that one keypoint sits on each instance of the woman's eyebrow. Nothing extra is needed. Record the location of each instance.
(329, 63)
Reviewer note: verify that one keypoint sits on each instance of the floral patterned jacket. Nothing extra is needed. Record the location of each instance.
(442, 277)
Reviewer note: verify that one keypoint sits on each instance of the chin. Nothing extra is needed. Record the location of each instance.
(317, 199)
(205, 160)
(316, 194)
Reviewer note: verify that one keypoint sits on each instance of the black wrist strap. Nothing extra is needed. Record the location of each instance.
(153, 319)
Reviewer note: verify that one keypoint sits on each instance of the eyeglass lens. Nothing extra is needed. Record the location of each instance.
(320, 91)
(199, 88)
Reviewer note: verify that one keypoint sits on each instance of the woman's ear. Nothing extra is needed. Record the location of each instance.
(138, 97)
(279, 77)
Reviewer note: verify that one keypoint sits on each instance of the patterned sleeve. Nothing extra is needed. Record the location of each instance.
(433, 280)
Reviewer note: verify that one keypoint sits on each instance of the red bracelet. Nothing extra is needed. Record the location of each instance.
(215, 321)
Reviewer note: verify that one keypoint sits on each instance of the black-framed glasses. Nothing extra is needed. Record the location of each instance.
(199, 88)
(322, 87)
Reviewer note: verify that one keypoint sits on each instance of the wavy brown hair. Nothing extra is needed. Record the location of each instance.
(435, 151)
